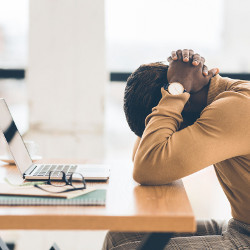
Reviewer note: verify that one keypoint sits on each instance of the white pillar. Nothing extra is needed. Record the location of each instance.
(66, 67)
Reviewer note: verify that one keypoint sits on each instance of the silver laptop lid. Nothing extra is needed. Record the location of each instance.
(14, 139)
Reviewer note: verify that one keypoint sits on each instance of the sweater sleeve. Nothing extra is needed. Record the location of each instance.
(166, 154)
(136, 145)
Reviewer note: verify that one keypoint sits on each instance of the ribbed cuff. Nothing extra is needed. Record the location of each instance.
(176, 101)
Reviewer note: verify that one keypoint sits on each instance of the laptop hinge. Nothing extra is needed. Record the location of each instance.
(29, 170)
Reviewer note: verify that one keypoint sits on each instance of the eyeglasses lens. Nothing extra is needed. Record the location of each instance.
(57, 178)
(77, 180)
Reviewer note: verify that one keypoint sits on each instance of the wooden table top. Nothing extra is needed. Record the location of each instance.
(129, 207)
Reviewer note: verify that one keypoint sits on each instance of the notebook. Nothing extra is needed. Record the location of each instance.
(97, 197)
(29, 190)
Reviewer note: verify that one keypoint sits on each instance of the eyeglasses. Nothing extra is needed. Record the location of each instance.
(60, 179)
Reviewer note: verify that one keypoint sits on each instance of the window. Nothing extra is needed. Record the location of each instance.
(142, 31)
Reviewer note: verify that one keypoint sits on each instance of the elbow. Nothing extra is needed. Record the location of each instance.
(145, 173)
(141, 171)
(140, 177)
(152, 166)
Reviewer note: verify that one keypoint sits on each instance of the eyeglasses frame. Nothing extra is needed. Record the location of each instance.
(68, 181)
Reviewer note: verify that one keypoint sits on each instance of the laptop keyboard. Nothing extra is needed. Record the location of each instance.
(44, 170)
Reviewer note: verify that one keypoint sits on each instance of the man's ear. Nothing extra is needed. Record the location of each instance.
(136, 145)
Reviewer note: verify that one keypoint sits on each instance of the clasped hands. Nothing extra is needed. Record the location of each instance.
(188, 68)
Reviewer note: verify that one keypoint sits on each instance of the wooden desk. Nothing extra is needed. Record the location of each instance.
(129, 207)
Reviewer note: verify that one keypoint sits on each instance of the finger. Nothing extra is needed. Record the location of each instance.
(185, 55)
(170, 59)
(205, 70)
(179, 54)
(196, 59)
(202, 61)
(174, 55)
(191, 54)
(213, 72)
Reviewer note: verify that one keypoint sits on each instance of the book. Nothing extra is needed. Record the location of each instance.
(28, 189)
(96, 197)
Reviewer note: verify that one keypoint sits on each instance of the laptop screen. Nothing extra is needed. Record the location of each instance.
(17, 147)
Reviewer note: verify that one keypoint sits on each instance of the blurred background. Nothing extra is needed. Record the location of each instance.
(63, 69)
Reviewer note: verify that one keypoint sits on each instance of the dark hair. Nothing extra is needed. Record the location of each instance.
(142, 93)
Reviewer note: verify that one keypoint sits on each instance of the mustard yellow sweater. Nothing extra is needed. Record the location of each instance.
(221, 136)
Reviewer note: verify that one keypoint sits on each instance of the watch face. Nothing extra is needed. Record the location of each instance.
(175, 88)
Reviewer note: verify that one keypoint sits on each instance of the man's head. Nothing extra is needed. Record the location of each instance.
(142, 93)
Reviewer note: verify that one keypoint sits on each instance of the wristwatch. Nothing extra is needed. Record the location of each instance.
(175, 88)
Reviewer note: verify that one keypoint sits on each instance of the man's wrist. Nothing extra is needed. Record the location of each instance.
(188, 88)
(175, 88)
(186, 84)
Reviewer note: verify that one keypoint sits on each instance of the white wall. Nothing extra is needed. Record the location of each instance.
(236, 36)
(66, 66)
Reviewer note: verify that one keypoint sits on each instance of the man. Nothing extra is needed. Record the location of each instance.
(197, 120)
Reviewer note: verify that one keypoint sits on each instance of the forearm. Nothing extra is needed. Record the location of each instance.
(153, 154)
(165, 154)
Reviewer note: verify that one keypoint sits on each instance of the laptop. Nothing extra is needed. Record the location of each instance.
(33, 171)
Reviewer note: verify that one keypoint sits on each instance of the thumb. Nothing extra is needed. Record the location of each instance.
(213, 72)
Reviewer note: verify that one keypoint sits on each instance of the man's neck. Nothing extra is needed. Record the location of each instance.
(197, 102)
